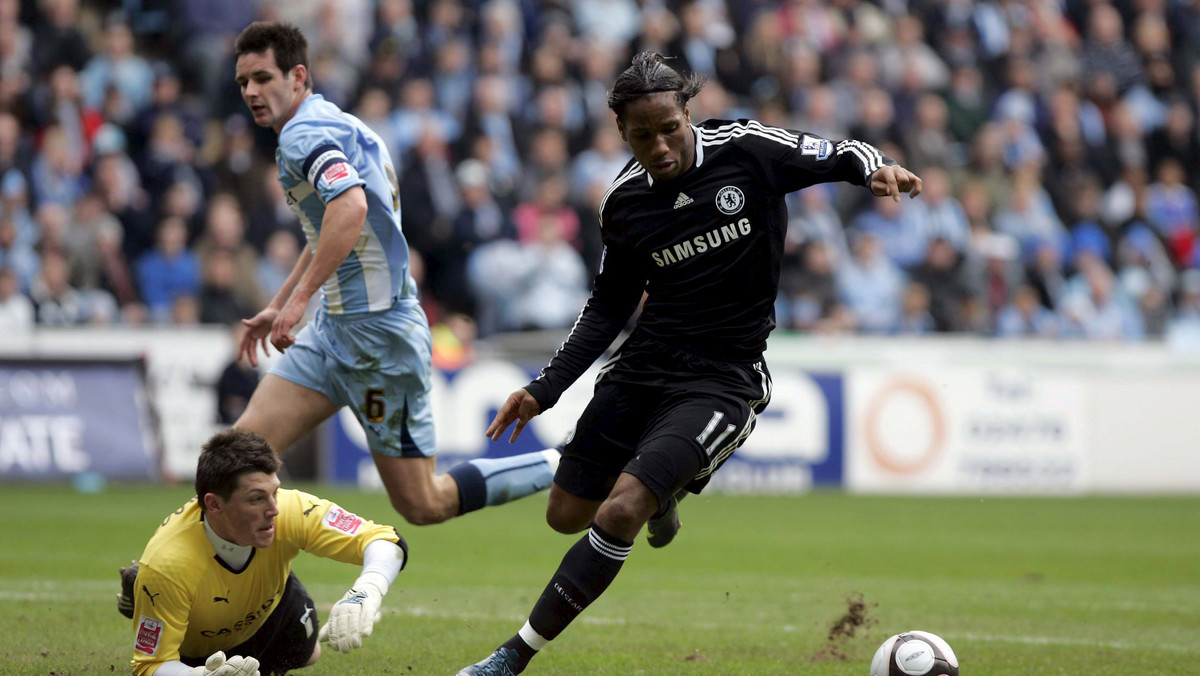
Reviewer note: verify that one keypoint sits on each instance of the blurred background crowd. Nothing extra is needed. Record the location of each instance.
(1057, 139)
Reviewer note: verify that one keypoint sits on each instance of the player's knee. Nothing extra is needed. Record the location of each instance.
(622, 515)
(566, 522)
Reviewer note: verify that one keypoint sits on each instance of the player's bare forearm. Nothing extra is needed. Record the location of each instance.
(520, 407)
(341, 227)
(293, 278)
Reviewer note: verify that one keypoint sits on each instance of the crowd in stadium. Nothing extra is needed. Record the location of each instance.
(1057, 140)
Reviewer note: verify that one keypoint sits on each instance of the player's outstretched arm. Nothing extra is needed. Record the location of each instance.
(353, 618)
(893, 179)
(519, 407)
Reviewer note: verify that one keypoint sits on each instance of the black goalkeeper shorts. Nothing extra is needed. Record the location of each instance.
(286, 639)
(667, 417)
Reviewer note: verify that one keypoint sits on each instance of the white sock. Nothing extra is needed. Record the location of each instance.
(531, 637)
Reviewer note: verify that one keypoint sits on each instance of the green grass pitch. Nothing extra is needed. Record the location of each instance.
(752, 586)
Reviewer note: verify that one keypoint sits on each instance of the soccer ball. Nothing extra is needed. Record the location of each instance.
(914, 653)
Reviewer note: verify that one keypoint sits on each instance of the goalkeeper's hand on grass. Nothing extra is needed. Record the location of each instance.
(353, 618)
(217, 665)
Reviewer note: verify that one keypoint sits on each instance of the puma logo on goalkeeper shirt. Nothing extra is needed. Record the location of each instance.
(149, 594)
(310, 509)
(217, 599)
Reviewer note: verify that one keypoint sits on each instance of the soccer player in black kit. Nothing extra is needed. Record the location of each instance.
(696, 221)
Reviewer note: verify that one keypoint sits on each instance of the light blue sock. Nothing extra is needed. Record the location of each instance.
(489, 482)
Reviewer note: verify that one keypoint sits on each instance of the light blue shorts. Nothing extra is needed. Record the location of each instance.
(376, 363)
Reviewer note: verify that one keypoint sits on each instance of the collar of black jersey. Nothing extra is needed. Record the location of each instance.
(699, 149)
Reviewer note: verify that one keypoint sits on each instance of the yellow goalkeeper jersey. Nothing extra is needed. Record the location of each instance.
(188, 602)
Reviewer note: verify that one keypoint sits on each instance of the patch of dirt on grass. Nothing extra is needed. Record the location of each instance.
(856, 619)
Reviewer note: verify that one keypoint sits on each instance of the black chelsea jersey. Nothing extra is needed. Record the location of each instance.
(705, 246)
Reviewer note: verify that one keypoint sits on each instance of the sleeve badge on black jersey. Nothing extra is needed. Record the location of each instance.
(730, 200)
(816, 147)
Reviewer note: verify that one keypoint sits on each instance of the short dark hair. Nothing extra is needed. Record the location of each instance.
(226, 457)
(288, 42)
(650, 74)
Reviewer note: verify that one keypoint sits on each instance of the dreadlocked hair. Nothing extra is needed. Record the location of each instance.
(650, 74)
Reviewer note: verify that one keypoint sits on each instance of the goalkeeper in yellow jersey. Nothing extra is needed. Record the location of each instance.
(214, 593)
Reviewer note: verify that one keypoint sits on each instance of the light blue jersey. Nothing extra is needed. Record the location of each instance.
(322, 153)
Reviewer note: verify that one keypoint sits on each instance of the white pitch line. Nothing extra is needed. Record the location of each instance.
(447, 614)
(420, 611)
(1080, 642)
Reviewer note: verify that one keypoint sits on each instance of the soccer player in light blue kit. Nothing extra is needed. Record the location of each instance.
(369, 345)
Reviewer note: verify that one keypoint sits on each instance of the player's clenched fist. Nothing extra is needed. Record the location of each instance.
(352, 618)
(217, 665)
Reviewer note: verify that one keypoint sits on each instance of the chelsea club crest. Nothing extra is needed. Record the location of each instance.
(730, 200)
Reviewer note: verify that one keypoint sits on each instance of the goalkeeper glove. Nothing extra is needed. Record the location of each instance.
(217, 665)
(353, 617)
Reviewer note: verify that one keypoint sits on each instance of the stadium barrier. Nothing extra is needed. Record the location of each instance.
(890, 415)
(76, 418)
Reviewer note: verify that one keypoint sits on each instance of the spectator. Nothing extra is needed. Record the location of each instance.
(238, 170)
(915, 319)
(1023, 127)
(59, 40)
(60, 304)
(236, 384)
(1030, 213)
(93, 249)
(967, 105)
(943, 273)
(1172, 210)
(549, 202)
(224, 231)
(270, 213)
(898, 227)
(169, 271)
(1183, 330)
(870, 285)
(276, 264)
(118, 69)
(996, 271)
(480, 221)
(57, 172)
(16, 310)
(942, 213)
(1107, 51)
(1026, 317)
(602, 162)
(1094, 308)
(808, 298)
(218, 301)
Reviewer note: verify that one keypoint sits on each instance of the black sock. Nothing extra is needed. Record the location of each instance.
(585, 572)
(524, 652)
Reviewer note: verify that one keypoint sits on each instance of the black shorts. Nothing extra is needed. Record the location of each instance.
(667, 417)
(286, 639)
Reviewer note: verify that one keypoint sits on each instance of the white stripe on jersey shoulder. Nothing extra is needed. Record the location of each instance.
(733, 130)
(635, 170)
